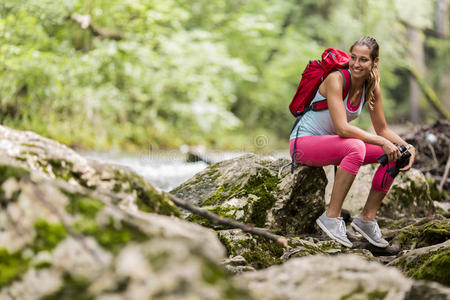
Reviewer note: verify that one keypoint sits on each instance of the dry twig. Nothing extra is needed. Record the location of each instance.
(230, 223)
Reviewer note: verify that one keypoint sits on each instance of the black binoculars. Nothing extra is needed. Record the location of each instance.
(399, 163)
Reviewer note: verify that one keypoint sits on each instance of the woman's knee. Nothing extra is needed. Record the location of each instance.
(356, 148)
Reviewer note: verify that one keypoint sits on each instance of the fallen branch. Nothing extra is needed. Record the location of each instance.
(230, 223)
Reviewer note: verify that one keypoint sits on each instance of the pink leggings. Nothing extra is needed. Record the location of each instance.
(348, 153)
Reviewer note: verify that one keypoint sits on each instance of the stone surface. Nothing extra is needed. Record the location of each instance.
(335, 277)
(69, 231)
(429, 263)
(260, 253)
(408, 234)
(261, 191)
(409, 195)
(53, 160)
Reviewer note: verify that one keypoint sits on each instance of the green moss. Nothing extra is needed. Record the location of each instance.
(47, 236)
(258, 252)
(261, 185)
(43, 265)
(212, 273)
(71, 289)
(158, 260)
(435, 268)
(12, 266)
(61, 168)
(377, 295)
(79, 204)
(216, 198)
(430, 233)
(147, 199)
(359, 290)
(7, 171)
(111, 237)
(220, 211)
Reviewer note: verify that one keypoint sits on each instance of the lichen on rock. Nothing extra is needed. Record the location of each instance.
(430, 263)
(257, 190)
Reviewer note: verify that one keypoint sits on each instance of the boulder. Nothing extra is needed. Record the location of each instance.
(429, 263)
(409, 195)
(260, 253)
(261, 191)
(53, 160)
(69, 231)
(336, 277)
(408, 234)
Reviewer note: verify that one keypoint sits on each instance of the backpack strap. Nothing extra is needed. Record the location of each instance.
(347, 81)
(318, 106)
(323, 104)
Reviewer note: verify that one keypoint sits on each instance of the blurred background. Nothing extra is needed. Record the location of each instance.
(134, 75)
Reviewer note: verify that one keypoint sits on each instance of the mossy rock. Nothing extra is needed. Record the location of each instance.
(61, 239)
(258, 190)
(409, 196)
(335, 277)
(258, 252)
(53, 160)
(429, 263)
(424, 233)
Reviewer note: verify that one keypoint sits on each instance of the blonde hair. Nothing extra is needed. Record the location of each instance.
(374, 75)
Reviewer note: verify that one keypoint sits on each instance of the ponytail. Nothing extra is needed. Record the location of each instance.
(372, 82)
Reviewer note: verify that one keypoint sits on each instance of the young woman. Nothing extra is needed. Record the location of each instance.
(326, 138)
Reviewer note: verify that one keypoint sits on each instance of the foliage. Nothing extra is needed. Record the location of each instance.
(163, 73)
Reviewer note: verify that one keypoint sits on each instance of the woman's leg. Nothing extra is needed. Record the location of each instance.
(325, 150)
(378, 190)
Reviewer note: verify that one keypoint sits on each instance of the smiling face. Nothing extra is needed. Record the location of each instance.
(361, 62)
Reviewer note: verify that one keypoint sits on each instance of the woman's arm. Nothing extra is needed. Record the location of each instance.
(333, 85)
(381, 128)
(333, 92)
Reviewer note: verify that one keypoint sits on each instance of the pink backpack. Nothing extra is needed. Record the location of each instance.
(313, 75)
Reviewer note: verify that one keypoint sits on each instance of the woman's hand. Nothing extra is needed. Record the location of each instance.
(391, 151)
(411, 150)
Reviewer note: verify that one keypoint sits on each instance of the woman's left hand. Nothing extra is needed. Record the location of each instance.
(411, 150)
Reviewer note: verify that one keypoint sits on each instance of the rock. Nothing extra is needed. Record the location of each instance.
(407, 234)
(54, 160)
(66, 233)
(258, 190)
(335, 277)
(260, 253)
(429, 263)
(237, 264)
(409, 195)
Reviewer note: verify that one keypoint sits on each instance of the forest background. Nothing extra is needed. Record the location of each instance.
(131, 74)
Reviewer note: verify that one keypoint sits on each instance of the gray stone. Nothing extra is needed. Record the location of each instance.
(428, 263)
(261, 191)
(66, 228)
(334, 277)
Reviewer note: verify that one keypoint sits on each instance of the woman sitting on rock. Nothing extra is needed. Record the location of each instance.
(326, 138)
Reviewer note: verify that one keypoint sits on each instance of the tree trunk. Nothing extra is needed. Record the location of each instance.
(442, 8)
(416, 53)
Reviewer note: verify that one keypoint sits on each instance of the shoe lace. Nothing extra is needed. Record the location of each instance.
(376, 230)
(341, 228)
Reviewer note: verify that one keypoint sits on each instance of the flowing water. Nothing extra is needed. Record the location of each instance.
(166, 169)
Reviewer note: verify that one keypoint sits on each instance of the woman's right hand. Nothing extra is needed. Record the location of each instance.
(391, 151)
